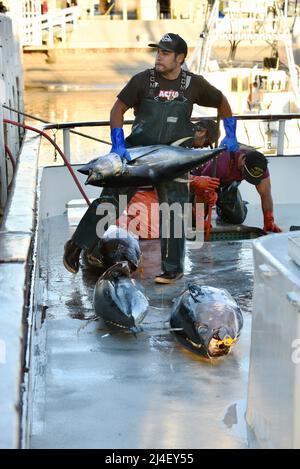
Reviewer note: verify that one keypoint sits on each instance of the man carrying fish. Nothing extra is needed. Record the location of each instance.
(162, 99)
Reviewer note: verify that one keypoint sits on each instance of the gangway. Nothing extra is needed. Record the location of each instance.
(34, 24)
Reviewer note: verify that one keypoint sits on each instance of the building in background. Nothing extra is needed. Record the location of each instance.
(142, 9)
(116, 9)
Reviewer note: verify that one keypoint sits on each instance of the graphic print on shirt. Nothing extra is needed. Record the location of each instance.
(168, 95)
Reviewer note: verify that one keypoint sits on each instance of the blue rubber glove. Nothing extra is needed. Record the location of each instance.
(230, 141)
(118, 143)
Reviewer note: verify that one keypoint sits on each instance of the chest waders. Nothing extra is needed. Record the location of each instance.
(230, 206)
(156, 122)
(161, 122)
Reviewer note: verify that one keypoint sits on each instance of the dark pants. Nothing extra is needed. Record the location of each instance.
(172, 247)
(230, 207)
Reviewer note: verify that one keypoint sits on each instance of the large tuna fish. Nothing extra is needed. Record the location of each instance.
(207, 319)
(117, 299)
(116, 245)
(148, 165)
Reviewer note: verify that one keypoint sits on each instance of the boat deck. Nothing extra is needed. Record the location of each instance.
(99, 390)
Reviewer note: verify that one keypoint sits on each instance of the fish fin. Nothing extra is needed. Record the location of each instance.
(136, 330)
(119, 269)
(88, 321)
(157, 308)
(124, 166)
(121, 331)
(195, 291)
(108, 334)
(178, 296)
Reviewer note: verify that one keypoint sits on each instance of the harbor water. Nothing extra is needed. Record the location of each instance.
(58, 105)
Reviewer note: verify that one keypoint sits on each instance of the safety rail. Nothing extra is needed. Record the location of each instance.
(268, 119)
(33, 26)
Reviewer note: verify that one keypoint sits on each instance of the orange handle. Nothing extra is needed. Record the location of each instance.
(207, 233)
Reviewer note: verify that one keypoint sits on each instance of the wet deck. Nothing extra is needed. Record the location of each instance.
(85, 390)
(119, 391)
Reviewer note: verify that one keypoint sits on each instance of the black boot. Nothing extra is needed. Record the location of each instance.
(71, 257)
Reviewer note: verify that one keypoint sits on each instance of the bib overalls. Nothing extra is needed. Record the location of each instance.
(157, 122)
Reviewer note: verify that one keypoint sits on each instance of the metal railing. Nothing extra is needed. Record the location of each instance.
(268, 119)
(244, 131)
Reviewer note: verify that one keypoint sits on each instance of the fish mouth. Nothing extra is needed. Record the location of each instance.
(121, 268)
(93, 176)
(133, 266)
(217, 347)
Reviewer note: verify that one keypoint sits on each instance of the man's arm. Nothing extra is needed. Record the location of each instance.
(117, 114)
(264, 190)
(224, 109)
(116, 133)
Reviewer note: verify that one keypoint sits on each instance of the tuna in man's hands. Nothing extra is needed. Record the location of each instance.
(148, 165)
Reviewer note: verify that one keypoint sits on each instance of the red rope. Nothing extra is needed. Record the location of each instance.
(9, 153)
(41, 132)
(13, 163)
(207, 233)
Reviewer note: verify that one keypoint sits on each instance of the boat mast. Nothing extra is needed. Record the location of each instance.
(241, 20)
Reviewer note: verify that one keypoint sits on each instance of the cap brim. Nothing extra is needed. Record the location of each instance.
(251, 179)
(159, 46)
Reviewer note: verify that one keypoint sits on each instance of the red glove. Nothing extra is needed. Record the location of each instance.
(210, 197)
(206, 197)
(201, 183)
(269, 224)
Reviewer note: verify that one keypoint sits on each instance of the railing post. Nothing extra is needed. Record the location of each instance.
(63, 30)
(124, 10)
(50, 36)
(280, 141)
(67, 147)
(75, 17)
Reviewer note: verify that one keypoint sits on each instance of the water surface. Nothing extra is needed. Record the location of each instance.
(57, 105)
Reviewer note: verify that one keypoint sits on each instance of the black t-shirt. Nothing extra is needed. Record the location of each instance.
(198, 90)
